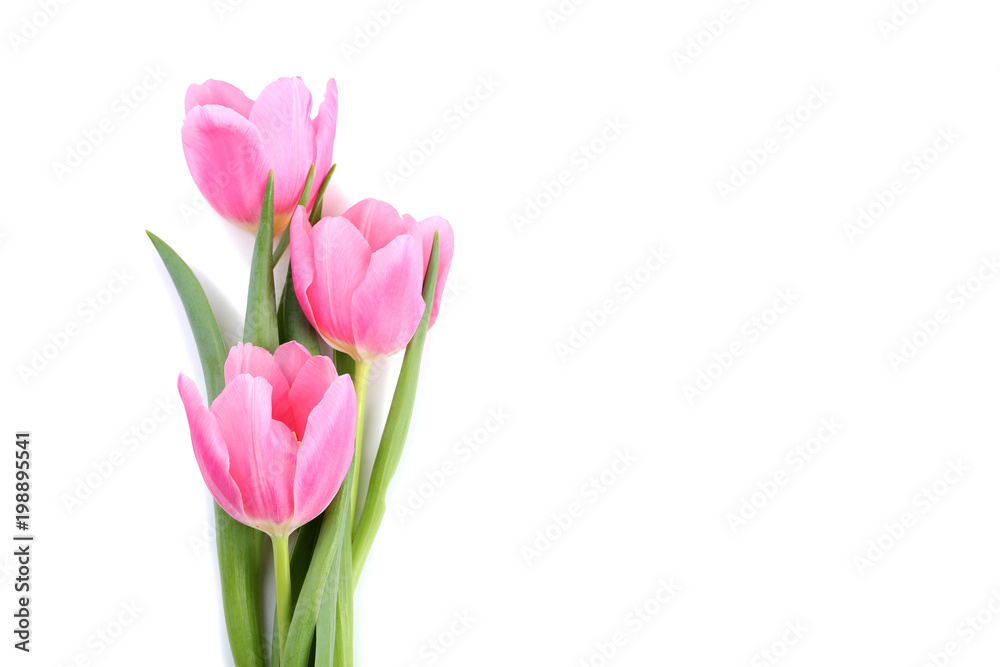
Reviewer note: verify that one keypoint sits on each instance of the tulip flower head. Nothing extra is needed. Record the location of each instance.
(358, 278)
(276, 444)
(232, 142)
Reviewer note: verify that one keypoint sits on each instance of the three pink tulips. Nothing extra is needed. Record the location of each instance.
(279, 442)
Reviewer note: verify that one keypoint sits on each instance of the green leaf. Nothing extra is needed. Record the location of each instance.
(240, 548)
(292, 322)
(317, 211)
(261, 327)
(339, 630)
(331, 546)
(344, 363)
(397, 424)
(241, 565)
(207, 337)
(303, 198)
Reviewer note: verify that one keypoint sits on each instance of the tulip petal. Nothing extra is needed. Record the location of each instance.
(387, 306)
(290, 356)
(282, 116)
(210, 450)
(302, 261)
(340, 259)
(258, 362)
(325, 127)
(220, 93)
(446, 251)
(377, 221)
(326, 451)
(314, 378)
(226, 157)
(262, 453)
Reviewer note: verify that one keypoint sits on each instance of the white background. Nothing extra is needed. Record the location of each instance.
(143, 536)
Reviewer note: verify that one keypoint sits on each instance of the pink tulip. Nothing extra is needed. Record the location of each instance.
(276, 444)
(358, 278)
(232, 142)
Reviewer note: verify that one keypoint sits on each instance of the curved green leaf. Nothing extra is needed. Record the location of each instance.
(240, 548)
(317, 211)
(207, 336)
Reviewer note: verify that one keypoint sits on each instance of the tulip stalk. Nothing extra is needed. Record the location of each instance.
(282, 587)
(361, 369)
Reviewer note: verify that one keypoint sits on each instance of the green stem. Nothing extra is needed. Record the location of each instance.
(360, 388)
(282, 588)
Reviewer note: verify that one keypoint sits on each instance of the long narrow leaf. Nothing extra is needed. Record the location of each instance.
(326, 563)
(240, 548)
(292, 322)
(261, 327)
(336, 622)
(317, 210)
(207, 337)
(397, 424)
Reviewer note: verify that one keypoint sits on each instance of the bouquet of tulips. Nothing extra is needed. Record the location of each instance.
(279, 442)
